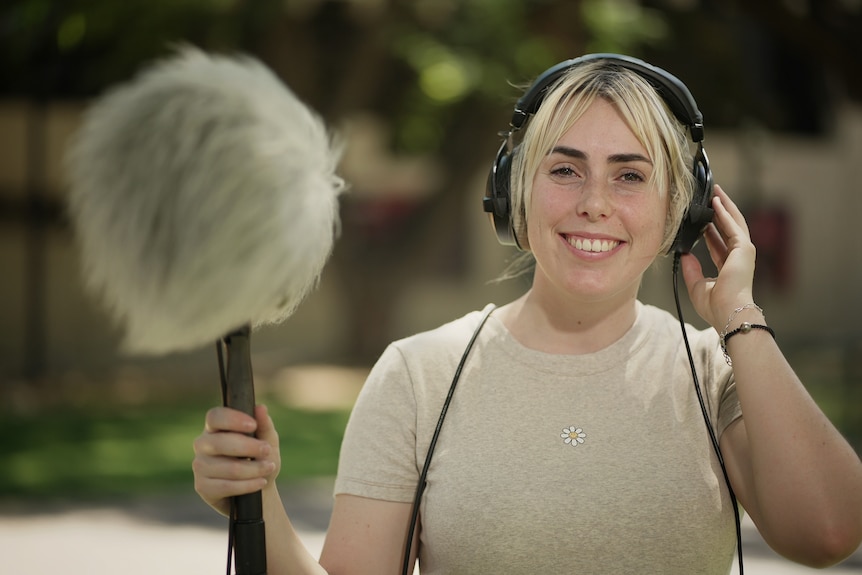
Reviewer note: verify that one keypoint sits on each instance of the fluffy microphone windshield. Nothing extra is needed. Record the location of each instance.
(204, 198)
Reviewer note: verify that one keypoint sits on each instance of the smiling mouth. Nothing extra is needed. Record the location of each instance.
(595, 246)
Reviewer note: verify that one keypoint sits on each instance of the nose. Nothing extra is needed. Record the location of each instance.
(594, 202)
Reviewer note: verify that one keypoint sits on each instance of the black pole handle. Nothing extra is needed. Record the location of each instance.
(247, 519)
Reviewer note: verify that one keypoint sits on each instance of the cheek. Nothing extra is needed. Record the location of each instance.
(648, 221)
(548, 206)
(536, 211)
(547, 212)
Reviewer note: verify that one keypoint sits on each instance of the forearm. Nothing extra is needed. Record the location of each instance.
(791, 469)
(805, 478)
(286, 554)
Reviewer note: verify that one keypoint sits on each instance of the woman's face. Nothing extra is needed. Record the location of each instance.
(595, 223)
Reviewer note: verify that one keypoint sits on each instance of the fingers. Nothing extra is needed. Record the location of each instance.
(227, 419)
(230, 444)
(221, 476)
(716, 245)
(217, 478)
(232, 457)
(226, 435)
(729, 221)
(228, 461)
(231, 468)
(729, 206)
(217, 492)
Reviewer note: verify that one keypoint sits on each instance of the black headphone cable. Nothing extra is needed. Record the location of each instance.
(420, 487)
(714, 442)
(709, 429)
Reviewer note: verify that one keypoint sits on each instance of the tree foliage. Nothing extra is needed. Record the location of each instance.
(435, 73)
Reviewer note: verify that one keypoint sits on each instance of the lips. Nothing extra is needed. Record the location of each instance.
(592, 245)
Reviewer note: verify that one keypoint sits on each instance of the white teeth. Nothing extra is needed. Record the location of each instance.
(595, 246)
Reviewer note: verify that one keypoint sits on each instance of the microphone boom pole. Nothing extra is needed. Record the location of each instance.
(204, 197)
(247, 525)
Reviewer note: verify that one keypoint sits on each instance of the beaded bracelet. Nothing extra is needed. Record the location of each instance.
(745, 327)
(735, 312)
(724, 333)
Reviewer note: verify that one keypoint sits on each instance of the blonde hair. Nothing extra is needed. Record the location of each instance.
(646, 114)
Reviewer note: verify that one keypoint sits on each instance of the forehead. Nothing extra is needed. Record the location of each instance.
(600, 128)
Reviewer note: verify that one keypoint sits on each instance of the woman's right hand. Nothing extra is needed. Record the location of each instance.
(229, 461)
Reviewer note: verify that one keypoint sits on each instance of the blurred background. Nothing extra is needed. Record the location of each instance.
(419, 89)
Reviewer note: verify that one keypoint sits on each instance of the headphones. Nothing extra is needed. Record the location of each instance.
(497, 201)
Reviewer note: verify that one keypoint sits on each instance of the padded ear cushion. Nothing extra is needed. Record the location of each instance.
(700, 212)
(497, 202)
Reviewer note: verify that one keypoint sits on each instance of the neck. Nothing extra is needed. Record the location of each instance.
(567, 329)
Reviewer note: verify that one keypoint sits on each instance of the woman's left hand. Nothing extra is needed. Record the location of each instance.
(730, 248)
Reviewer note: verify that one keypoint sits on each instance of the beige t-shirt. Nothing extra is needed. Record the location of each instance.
(576, 464)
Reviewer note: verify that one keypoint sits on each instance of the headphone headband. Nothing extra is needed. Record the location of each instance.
(675, 94)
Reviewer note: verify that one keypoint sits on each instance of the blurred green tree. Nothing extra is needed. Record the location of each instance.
(435, 72)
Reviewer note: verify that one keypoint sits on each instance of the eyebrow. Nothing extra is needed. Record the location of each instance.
(613, 158)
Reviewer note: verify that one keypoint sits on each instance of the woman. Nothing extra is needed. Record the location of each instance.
(574, 442)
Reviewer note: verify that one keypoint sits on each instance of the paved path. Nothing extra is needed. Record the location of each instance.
(180, 535)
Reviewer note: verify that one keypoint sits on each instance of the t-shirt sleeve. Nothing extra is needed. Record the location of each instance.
(722, 387)
(378, 452)
(729, 409)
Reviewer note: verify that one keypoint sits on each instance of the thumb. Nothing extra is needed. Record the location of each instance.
(695, 282)
(692, 271)
(699, 287)
(265, 427)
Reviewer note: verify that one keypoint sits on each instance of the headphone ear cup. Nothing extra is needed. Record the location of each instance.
(699, 213)
(498, 202)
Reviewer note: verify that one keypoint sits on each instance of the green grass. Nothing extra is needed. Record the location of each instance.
(109, 452)
(119, 452)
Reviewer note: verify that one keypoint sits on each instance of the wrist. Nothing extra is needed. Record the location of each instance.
(743, 320)
(744, 312)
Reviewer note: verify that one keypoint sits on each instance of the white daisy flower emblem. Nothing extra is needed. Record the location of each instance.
(573, 436)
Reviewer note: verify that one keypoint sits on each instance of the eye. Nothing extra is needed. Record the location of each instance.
(632, 176)
(563, 171)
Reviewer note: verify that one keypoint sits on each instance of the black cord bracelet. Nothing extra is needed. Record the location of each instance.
(745, 327)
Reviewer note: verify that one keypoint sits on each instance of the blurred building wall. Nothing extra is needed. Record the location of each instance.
(814, 182)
